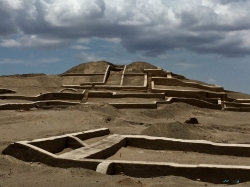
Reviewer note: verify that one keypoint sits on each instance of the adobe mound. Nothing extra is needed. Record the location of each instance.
(90, 67)
(103, 108)
(169, 111)
(138, 67)
(129, 182)
(176, 130)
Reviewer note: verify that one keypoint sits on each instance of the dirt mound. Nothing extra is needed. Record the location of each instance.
(174, 130)
(237, 95)
(103, 108)
(169, 111)
(138, 67)
(90, 67)
(129, 182)
(25, 75)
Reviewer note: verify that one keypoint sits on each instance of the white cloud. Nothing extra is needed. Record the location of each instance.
(10, 43)
(79, 47)
(113, 40)
(87, 57)
(186, 65)
(83, 40)
(29, 62)
(32, 41)
(212, 80)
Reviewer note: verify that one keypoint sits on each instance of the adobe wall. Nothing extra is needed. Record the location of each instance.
(200, 146)
(6, 91)
(100, 94)
(239, 105)
(198, 103)
(18, 97)
(30, 153)
(110, 87)
(17, 106)
(81, 74)
(77, 86)
(156, 72)
(206, 173)
(68, 89)
(25, 150)
(241, 101)
(134, 105)
(176, 82)
(46, 96)
(139, 95)
(189, 93)
(235, 109)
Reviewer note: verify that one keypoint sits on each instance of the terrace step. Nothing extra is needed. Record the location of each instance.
(85, 97)
(149, 85)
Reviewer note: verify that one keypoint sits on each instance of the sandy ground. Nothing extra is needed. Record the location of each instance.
(166, 121)
(217, 126)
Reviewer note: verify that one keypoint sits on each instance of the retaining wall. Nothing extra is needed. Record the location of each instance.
(100, 94)
(198, 103)
(206, 173)
(111, 87)
(237, 105)
(189, 93)
(134, 105)
(81, 74)
(54, 103)
(139, 95)
(6, 91)
(46, 96)
(177, 82)
(156, 72)
(201, 146)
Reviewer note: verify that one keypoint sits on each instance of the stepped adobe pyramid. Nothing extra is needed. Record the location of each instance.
(137, 85)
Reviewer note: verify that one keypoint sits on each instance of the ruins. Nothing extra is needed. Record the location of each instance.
(135, 86)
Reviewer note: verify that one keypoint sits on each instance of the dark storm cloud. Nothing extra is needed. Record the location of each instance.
(7, 24)
(151, 27)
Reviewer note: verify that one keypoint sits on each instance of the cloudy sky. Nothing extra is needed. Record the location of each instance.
(208, 40)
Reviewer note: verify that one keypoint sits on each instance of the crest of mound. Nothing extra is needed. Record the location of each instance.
(138, 67)
(90, 67)
(103, 108)
(175, 129)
